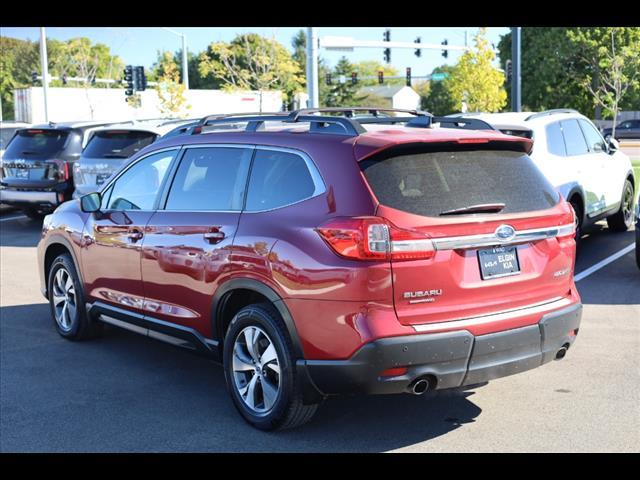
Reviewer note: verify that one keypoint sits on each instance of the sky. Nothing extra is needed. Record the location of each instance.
(139, 45)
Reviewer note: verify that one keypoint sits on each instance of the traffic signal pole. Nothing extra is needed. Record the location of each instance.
(45, 72)
(516, 92)
(312, 68)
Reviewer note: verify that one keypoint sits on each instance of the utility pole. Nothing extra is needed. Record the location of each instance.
(45, 72)
(516, 92)
(312, 67)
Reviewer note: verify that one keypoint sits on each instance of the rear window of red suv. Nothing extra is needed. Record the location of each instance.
(433, 182)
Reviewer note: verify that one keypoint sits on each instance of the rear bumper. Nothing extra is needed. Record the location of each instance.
(45, 200)
(452, 359)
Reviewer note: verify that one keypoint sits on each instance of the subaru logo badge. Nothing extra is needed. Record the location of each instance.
(505, 233)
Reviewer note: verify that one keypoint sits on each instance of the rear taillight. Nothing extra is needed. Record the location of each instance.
(375, 238)
(66, 173)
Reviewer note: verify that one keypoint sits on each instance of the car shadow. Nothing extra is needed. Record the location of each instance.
(126, 392)
(20, 232)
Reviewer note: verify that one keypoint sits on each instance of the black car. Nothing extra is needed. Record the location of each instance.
(37, 167)
(626, 129)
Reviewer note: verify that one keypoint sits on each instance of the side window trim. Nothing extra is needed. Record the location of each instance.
(163, 199)
(318, 182)
(108, 186)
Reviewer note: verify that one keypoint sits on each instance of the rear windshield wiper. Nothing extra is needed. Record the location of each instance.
(481, 208)
(29, 152)
(114, 155)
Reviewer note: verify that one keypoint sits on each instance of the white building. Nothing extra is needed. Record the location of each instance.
(107, 104)
(400, 96)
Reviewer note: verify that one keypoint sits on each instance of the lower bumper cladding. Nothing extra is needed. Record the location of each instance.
(447, 359)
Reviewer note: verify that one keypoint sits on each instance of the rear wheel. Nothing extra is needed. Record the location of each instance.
(260, 370)
(623, 218)
(576, 203)
(66, 301)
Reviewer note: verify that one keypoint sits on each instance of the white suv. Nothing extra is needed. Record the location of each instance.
(591, 173)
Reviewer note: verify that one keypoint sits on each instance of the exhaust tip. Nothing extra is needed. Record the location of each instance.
(419, 386)
(561, 353)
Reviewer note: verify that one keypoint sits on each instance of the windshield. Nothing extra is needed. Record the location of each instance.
(117, 143)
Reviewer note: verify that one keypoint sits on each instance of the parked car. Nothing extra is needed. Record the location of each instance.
(638, 233)
(108, 147)
(317, 256)
(626, 129)
(593, 174)
(37, 167)
(7, 131)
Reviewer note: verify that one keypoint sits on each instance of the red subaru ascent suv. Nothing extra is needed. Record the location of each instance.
(322, 252)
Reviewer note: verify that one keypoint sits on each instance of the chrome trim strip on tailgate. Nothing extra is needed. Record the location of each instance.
(547, 305)
(490, 239)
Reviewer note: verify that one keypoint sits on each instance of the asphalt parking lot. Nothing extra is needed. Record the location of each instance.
(124, 393)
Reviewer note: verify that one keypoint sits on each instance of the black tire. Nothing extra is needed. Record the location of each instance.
(33, 214)
(622, 220)
(80, 326)
(288, 410)
(577, 207)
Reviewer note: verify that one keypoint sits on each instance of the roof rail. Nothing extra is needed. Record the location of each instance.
(350, 111)
(550, 112)
(463, 123)
(318, 124)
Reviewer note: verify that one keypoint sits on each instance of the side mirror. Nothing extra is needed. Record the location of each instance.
(614, 146)
(91, 202)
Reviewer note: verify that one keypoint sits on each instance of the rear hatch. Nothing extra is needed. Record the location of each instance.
(105, 153)
(32, 158)
(495, 234)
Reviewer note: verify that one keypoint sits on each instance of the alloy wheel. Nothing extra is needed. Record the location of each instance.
(627, 204)
(256, 369)
(64, 299)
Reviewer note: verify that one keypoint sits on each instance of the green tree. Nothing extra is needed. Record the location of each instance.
(252, 62)
(474, 80)
(169, 89)
(370, 68)
(343, 94)
(558, 62)
(437, 98)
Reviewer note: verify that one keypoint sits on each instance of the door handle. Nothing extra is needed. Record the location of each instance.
(135, 235)
(214, 237)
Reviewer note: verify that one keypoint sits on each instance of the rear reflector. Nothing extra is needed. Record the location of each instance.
(375, 238)
(394, 372)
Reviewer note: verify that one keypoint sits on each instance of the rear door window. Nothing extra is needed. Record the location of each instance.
(573, 138)
(37, 143)
(117, 143)
(430, 183)
(555, 140)
(278, 179)
(210, 179)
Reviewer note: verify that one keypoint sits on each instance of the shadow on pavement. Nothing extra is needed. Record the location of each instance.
(21, 232)
(125, 392)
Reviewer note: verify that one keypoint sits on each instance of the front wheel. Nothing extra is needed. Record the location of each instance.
(623, 218)
(260, 370)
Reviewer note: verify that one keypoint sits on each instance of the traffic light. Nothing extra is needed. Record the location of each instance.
(418, 52)
(328, 78)
(140, 79)
(128, 78)
(34, 77)
(508, 71)
(445, 53)
(387, 51)
(380, 77)
(93, 79)
(354, 78)
(408, 76)
(64, 79)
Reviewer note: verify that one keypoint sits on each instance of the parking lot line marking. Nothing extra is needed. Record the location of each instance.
(612, 258)
(12, 218)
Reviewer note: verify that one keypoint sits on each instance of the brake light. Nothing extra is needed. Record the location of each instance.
(473, 140)
(66, 173)
(375, 238)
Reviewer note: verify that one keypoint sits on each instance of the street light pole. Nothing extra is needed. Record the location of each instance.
(185, 63)
(516, 92)
(312, 67)
(45, 72)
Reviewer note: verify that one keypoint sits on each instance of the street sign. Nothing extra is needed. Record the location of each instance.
(437, 77)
